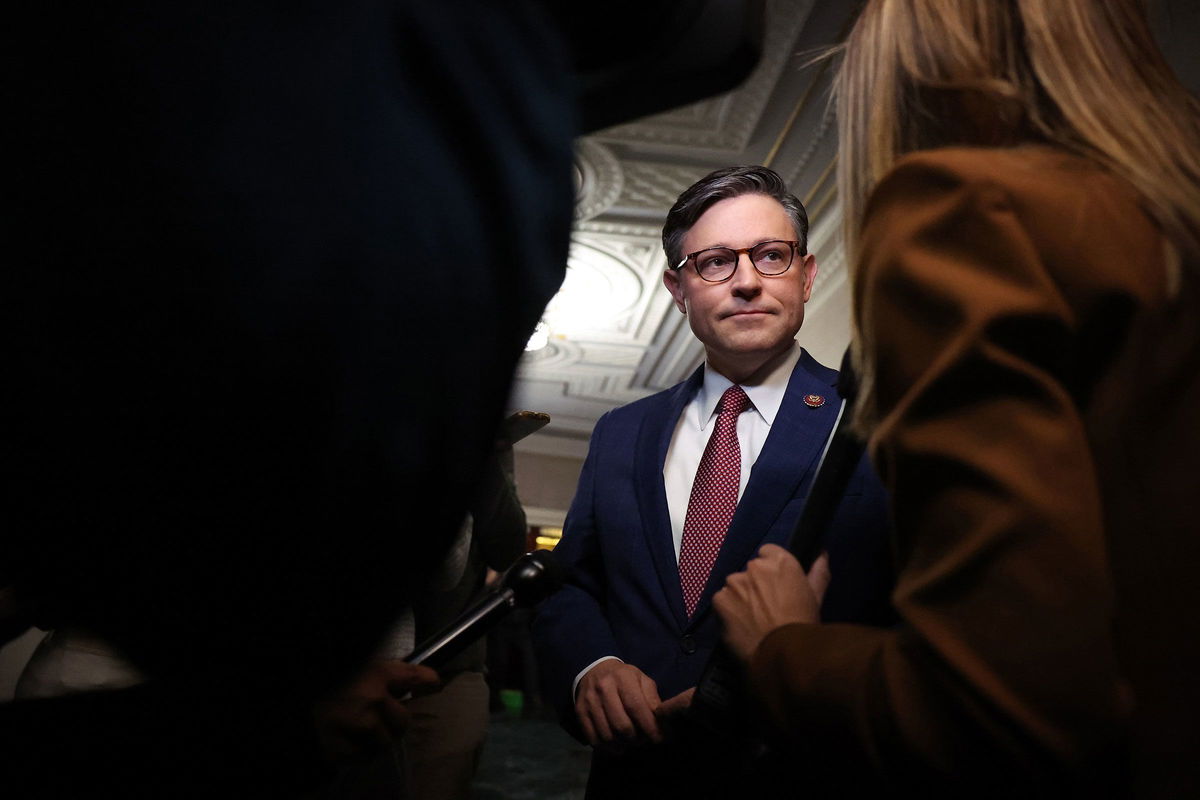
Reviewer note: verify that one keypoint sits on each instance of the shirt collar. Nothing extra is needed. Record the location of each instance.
(766, 395)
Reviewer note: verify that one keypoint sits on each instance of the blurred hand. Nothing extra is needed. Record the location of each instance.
(615, 705)
(367, 715)
(771, 592)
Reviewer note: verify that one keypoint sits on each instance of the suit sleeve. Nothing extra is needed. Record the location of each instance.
(571, 629)
(1003, 663)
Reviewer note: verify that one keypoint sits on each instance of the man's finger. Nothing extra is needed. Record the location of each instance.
(771, 551)
(614, 709)
(819, 576)
(653, 701)
(409, 676)
(585, 722)
(650, 691)
(634, 700)
(594, 708)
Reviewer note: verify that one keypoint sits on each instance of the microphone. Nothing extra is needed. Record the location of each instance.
(532, 578)
(720, 702)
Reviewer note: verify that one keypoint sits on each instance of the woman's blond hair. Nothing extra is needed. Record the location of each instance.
(1084, 75)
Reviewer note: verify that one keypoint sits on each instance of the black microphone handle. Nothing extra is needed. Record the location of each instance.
(834, 471)
(529, 580)
(720, 697)
(472, 624)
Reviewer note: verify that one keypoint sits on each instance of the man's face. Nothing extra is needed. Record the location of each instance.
(747, 319)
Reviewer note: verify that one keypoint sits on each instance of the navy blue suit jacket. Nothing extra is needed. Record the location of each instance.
(623, 595)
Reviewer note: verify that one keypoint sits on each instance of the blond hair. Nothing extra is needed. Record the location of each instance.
(1084, 75)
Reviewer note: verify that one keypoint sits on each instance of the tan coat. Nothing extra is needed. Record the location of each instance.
(1037, 420)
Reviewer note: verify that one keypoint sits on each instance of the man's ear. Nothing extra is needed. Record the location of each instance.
(809, 267)
(674, 284)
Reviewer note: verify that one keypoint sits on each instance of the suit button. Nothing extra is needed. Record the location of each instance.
(688, 644)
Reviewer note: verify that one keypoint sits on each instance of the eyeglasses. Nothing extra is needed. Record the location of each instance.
(718, 264)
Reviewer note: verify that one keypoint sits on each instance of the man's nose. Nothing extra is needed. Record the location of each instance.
(745, 278)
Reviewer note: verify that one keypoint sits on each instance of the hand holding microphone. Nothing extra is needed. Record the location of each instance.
(366, 715)
(532, 578)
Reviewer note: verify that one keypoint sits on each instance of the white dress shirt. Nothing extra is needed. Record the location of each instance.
(696, 425)
(693, 430)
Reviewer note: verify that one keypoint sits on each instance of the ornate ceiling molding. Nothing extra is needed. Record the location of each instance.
(825, 242)
(656, 186)
(609, 307)
(598, 179)
(608, 312)
(628, 230)
(817, 141)
(672, 356)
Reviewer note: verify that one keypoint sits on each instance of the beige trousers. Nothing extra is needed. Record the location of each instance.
(445, 738)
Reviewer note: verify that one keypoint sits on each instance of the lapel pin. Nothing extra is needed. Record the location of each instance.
(814, 400)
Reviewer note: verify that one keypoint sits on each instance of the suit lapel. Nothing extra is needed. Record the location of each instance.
(788, 457)
(654, 438)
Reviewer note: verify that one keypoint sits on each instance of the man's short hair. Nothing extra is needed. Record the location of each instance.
(722, 185)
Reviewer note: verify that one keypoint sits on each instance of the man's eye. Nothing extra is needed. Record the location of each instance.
(770, 255)
(714, 262)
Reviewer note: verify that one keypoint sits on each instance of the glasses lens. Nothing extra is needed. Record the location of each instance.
(772, 258)
(716, 264)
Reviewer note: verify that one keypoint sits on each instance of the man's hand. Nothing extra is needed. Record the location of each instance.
(367, 715)
(773, 591)
(615, 705)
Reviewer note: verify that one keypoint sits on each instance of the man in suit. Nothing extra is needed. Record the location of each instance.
(681, 488)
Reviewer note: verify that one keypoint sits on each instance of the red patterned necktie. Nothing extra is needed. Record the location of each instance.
(714, 498)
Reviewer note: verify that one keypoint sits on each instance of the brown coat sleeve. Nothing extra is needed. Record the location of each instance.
(1003, 667)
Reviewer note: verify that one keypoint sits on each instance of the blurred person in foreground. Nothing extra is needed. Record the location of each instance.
(1021, 184)
(271, 267)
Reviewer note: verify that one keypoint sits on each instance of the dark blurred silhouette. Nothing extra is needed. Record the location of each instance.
(271, 269)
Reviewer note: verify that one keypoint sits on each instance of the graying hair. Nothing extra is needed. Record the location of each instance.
(722, 185)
